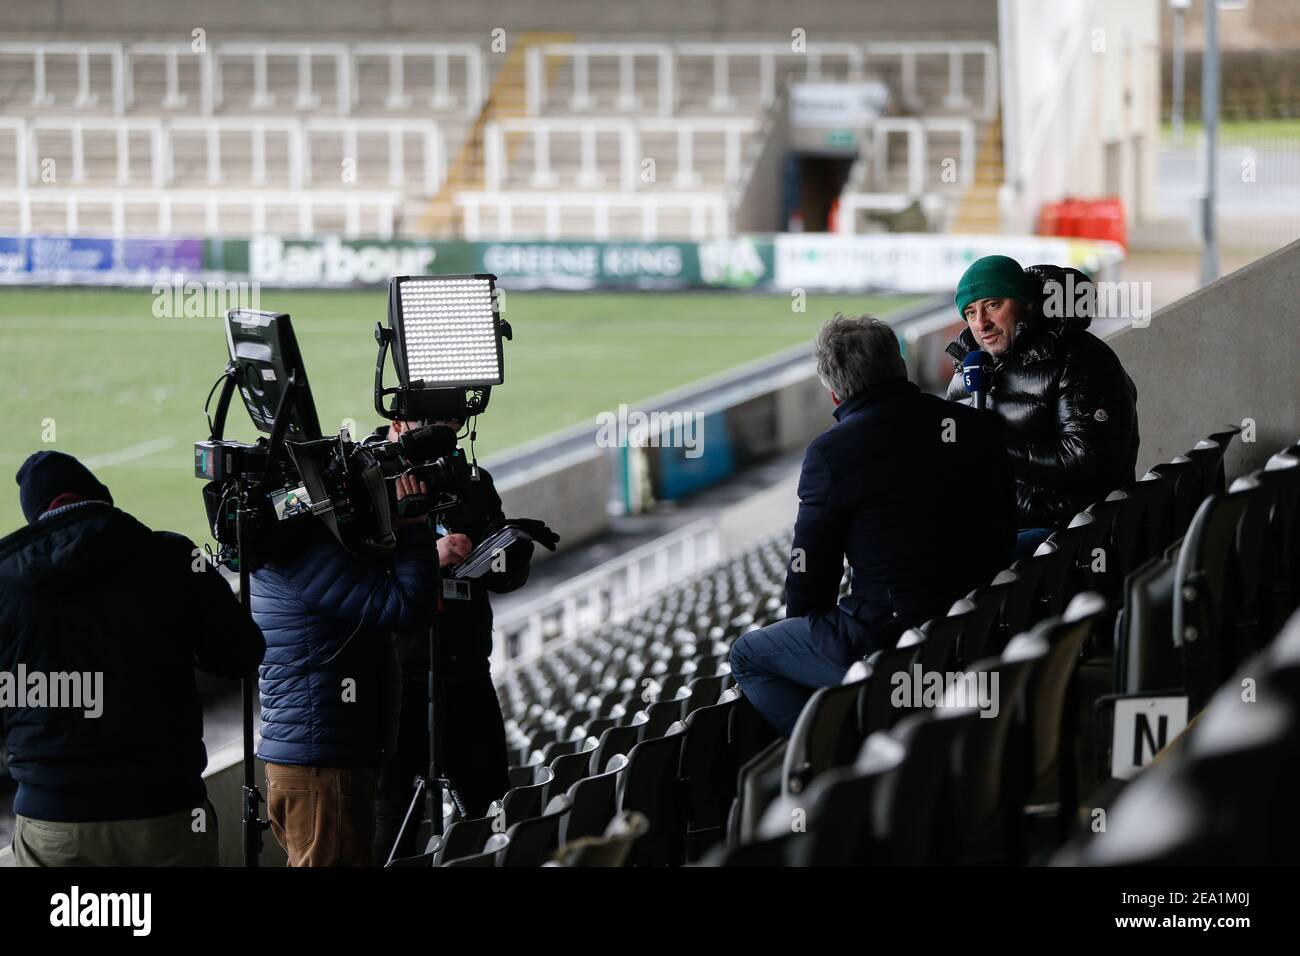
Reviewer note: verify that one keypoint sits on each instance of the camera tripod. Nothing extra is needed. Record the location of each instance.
(434, 783)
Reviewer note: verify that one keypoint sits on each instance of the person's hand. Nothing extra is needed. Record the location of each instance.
(408, 485)
(453, 549)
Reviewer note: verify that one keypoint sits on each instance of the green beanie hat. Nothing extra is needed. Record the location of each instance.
(992, 277)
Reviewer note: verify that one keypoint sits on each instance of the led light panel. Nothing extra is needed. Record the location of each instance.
(448, 330)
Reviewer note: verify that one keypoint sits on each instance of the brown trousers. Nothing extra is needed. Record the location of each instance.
(322, 816)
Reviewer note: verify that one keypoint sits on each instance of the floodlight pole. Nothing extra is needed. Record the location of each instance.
(1210, 126)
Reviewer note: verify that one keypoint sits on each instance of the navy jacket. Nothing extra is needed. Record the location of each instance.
(917, 493)
(327, 616)
(88, 588)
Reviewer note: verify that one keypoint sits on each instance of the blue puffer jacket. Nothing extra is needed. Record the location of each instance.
(326, 617)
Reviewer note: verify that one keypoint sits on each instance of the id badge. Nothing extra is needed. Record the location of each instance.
(454, 590)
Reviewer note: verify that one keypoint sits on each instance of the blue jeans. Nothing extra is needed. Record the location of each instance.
(779, 668)
(1028, 540)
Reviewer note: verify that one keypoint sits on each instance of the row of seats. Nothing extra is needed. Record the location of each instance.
(640, 718)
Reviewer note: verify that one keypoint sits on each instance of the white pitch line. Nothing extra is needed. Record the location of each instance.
(130, 453)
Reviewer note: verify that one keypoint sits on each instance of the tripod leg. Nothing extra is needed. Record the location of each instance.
(410, 819)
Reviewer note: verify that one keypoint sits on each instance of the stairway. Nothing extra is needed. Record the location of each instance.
(977, 211)
(506, 99)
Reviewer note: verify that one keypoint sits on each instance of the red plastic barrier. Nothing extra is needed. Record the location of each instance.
(1085, 219)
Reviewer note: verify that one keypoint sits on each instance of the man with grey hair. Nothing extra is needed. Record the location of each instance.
(873, 489)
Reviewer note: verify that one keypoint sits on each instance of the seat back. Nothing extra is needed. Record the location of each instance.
(615, 740)
(533, 841)
(566, 770)
(708, 774)
(1281, 476)
(876, 710)
(1152, 498)
(463, 838)
(825, 735)
(984, 626)
(938, 650)
(592, 803)
(610, 849)
(520, 803)
(987, 788)
(1049, 709)
(1206, 596)
(650, 785)
(1189, 490)
(913, 817)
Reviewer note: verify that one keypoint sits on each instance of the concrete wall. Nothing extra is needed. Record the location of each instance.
(824, 20)
(758, 208)
(1224, 354)
(1081, 83)
(569, 495)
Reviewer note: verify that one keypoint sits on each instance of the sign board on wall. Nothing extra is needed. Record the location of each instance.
(836, 105)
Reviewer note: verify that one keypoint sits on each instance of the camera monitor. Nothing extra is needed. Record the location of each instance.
(266, 358)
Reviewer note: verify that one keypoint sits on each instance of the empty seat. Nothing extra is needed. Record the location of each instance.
(1151, 500)
(614, 741)
(533, 841)
(758, 783)
(1049, 713)
(613, 848)
(566, 770)
(463, 838)
(649, 785)
(832, 824)
(658, 717)
(986, 788)
(487, 857)
(1281, 476)
(592, 803)
(1189, 490)
(521, 803)
(708, 774)
(826, 735)
(981, 635)
(876, 707)
(1206, 596)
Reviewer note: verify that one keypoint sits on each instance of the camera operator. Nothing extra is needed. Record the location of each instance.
(90, 596)
(326, 614)
(473, 755)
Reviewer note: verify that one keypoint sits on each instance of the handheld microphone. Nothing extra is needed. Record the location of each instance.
(975, 373)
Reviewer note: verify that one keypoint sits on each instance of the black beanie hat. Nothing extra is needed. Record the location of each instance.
(47, 474)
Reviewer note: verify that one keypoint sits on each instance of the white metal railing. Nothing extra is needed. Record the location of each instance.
(956, 98)
(304, 205)
(124, 57)
(630, 154)
(610, 593)
(770, 57)
(917, 132)
(710, 213)
(85, 97)
(298, 137)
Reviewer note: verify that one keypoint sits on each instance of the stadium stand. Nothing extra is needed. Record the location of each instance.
(561, 139)
(655, 728)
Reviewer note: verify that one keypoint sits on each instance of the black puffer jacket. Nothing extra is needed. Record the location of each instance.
(1070, 409)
